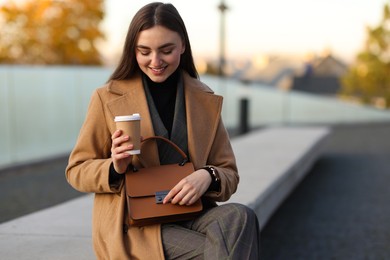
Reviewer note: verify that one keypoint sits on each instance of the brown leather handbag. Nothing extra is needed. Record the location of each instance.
(146, 189)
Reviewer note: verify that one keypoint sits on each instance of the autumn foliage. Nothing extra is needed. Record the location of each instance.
(368, 80)
(51, 32)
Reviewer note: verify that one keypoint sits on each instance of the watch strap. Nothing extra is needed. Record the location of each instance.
(215, 180)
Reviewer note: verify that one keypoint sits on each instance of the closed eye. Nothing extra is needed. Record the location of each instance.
(144, 51)
(169, 51)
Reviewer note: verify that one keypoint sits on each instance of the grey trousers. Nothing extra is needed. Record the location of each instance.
(229, 231)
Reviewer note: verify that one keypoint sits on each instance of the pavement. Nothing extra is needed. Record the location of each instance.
(30, 187)
(341, 209)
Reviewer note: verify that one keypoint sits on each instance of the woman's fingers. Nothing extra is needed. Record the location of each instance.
(177, 193)
(120, 157)
(116, 134)
(118, 138)
(189, 189)
(122, 149)
(189, 198)
(186, 196)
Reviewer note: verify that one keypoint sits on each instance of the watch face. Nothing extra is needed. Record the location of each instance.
(214, 174)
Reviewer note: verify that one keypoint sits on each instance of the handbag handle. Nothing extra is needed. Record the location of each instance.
(177, 148)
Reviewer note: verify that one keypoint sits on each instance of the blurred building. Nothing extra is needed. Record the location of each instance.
(321, 76)
(314, 74)
(273, 71)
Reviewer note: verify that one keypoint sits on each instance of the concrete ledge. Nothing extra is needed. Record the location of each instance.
(61, 232)
(271, 163)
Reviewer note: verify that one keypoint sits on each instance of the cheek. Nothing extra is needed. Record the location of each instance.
(140, 59)
(174, 58)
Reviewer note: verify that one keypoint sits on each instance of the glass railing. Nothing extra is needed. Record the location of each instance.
(270, 106)
(42, 108)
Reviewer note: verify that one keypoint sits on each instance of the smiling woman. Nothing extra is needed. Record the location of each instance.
(156, 77)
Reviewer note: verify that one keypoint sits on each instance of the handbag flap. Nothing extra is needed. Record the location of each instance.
(148, 181)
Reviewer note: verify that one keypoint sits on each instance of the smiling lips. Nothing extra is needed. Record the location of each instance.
(158, 71)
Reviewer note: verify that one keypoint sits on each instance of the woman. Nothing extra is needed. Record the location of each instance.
(156, 77)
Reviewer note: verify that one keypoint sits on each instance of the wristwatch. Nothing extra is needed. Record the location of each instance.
(215, 180)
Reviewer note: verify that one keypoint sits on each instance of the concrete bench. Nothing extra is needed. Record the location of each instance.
(61, 232)
(271, 163)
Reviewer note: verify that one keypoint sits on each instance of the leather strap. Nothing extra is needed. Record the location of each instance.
(177, 148)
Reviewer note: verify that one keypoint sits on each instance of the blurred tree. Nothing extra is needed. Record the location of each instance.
(368, 80)
(51, 32)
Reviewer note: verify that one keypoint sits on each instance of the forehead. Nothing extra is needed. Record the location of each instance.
(157, 36)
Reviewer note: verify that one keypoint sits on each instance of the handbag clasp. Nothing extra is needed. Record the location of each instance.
(160, 195)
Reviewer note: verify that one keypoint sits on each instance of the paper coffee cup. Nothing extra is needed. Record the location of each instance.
(131, 126)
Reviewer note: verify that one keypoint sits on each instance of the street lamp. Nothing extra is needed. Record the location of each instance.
(222, 60)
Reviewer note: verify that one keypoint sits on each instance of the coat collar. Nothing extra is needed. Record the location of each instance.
(203, 117)
(203, 111)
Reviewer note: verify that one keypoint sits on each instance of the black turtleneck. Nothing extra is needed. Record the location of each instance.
(164, 97)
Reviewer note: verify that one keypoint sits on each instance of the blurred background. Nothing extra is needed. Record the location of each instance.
(299, 62)
(277, 63)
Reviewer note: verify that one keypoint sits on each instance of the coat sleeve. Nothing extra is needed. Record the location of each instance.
(89, 162)
(222, 158)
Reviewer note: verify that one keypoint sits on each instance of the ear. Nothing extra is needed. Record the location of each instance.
(183, 48)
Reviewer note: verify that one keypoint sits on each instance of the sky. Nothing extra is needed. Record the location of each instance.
(258, 27)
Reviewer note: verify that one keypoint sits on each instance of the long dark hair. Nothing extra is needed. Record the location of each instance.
(148, 16)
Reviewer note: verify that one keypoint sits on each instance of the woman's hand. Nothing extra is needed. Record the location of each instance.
(120, 158)
(189, 189)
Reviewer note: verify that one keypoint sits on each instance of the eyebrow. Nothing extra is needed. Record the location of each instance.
(160, 47)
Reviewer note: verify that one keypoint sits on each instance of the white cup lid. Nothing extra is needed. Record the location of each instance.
(132, 117)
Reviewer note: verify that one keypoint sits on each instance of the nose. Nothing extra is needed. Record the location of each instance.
(156, 60)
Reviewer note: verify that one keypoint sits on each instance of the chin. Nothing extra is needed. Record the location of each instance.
(158, 78)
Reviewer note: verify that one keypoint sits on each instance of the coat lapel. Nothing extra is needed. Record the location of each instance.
(203, 110)
(132, 100)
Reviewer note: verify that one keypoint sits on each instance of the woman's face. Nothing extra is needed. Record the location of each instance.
(158, 52)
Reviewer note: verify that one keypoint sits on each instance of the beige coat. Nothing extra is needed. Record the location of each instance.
(88, 168)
